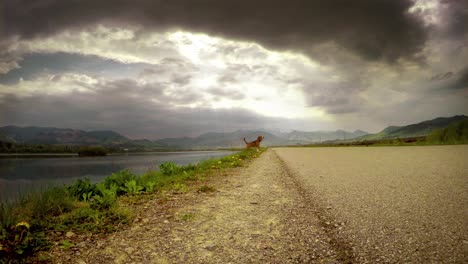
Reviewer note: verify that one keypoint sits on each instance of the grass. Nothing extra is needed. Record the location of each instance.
(206, 189)
(188, 217)
(30, 225)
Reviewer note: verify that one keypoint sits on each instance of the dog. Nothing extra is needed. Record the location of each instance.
(255, 143)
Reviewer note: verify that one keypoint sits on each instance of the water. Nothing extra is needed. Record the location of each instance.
(19, 175)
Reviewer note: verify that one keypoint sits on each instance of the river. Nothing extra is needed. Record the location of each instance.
(21, 175)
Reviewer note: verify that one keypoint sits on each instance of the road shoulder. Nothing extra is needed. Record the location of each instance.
(256, 214)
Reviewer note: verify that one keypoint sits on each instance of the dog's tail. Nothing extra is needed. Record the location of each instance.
(246, 141)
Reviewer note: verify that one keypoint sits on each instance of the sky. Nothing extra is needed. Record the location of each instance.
(171, 68)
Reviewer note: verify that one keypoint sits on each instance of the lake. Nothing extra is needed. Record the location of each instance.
(21, 175)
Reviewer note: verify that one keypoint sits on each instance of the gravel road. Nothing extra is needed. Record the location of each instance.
(389, 204)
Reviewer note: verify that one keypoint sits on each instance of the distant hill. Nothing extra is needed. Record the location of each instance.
(415, 130)
(223, 140)
(213, 140)
(320, 136)
(53, 135)
(235, 139)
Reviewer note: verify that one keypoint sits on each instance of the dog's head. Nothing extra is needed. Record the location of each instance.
(260, 138)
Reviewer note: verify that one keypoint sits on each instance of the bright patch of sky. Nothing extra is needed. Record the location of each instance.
(248, 75)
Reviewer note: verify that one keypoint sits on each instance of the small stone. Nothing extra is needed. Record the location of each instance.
(70, 234)
(210, 247)
(166, 221)
(81, 244)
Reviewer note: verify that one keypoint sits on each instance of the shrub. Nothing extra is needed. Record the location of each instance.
(105, 198)
(169, 168)
(131, 187)
(17, 241)
(82, 189)
(119, 179)
(149, 186)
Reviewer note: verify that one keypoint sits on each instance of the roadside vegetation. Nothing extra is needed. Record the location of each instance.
(456, 133)
(36, 221)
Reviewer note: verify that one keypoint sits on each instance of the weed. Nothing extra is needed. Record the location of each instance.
(52, 202)
(132, 188)
(66, 244)
(81, 187)
(106, 197)
(87, 207)
(87, 196)
(188, 217)
(169, 168)
(178, 188)
(7, 218)
(17, 241)
(206, 189)
(119, 179)
(149, 186)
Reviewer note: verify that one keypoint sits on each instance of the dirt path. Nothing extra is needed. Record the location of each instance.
(256, 215)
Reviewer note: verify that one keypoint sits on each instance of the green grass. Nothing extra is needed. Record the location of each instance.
(454, 134)
(206, 189)
(27, 225)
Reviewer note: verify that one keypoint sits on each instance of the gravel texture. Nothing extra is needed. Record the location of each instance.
(398, 204)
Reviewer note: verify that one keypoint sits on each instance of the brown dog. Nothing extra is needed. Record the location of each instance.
(255, 143)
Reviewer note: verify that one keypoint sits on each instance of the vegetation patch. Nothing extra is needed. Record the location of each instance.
(456, 133)
(32, 223)
(206, 189)
(92, 151)
(188, 217)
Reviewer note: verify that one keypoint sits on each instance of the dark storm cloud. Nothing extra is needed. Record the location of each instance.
(461, 81)
(374, 29)
(456, 16)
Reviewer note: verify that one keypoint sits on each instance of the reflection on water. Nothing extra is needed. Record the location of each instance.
(22, 175)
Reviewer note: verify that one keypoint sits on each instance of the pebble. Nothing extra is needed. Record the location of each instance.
(210, 247)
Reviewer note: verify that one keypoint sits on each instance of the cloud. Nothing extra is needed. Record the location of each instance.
(373, 29)
(188, 63)
(135, 109)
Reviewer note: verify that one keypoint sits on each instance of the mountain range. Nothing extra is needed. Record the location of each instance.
(414, 130)
(64, 136)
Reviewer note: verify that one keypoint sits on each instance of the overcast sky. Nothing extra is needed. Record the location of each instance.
(169, 68)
